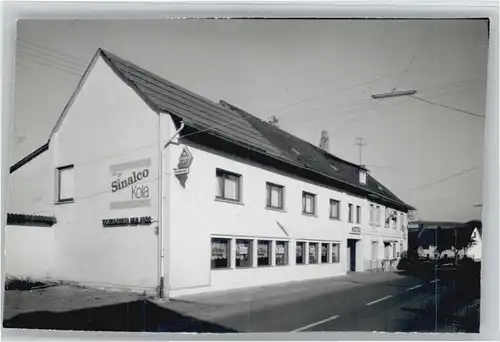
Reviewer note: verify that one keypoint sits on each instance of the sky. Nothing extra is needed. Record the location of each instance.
(312, 75)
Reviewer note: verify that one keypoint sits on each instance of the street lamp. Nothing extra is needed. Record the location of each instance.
(394, 94)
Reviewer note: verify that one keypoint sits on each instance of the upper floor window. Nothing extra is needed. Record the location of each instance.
(358, 214)
(228, 185)
(308, 203)
(351, 213)
(374, 214)
(335, 209)
(275, 196)
(362, 176)
(65, 184)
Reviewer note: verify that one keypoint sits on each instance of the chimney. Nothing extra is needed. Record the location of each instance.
(324, 141)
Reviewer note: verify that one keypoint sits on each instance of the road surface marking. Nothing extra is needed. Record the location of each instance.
(434, 281)
(317, 323)
(379, 300)
(414, 287)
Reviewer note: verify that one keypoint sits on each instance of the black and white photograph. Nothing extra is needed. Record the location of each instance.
(247, 175)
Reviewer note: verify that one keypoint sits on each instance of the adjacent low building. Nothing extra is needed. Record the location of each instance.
(148, 186)
(439, 240)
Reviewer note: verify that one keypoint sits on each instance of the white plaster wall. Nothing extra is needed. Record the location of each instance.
(29, 251)
(31, 187)
(107, 124)
(195, 216)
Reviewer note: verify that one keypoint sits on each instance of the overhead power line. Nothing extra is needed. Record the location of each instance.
(424, 40)
(56, 63)
(369, 82)
(446, 178)
(52, 57)
(53, 52)
(365, 110)
(338, 108)
(447, 107)
(49, 65)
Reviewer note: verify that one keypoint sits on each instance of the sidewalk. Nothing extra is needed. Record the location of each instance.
(66, 298)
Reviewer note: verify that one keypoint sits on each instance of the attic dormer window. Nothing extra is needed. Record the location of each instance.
(362, 176)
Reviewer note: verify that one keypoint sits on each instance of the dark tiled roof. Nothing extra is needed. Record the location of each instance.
(231, 124)
(239, 127)
(195, 110)
(313, 157)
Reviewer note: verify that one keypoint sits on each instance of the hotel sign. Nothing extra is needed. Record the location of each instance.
(131, 180)
(355, 230)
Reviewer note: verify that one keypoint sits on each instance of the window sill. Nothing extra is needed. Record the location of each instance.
(276, 209)
(336, 219)
(310, 215)
(64, 202)
(244, 267)
(221, 269)
(225, 200)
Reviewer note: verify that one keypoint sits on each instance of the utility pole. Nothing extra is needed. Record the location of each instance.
(361, 142)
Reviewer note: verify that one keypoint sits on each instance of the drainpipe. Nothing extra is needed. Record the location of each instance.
(160, 202)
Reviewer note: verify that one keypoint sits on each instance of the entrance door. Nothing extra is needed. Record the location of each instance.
(351, 255)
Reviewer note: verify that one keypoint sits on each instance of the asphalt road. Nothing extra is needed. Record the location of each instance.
(369, 302)
(400, 305)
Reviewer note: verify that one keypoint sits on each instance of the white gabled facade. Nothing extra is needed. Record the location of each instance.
(109, 134)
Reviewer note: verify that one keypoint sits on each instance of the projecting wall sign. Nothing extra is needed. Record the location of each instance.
(130, 182)
(185, 161)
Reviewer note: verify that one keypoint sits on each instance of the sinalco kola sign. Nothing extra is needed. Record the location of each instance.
(185, 161)
(130, 183)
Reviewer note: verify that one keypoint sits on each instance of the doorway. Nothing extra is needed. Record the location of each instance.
(351, 255)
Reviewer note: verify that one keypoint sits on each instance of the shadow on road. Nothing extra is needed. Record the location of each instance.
(136, 316)
(457, 302)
